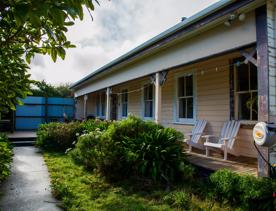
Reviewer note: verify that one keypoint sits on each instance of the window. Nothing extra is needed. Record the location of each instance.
(103, 97)
(246, 88)
(148, 101)
(185, 97)
(124, 99)
(98, 108)
(100, 104)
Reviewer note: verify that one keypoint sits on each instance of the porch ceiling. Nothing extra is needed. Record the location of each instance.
(217, 39)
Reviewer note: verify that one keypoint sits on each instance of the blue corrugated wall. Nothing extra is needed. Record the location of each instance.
(38, 110)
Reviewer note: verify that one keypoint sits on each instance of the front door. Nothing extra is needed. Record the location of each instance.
(114, 103)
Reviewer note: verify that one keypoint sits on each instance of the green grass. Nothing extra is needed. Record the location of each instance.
(81, 190)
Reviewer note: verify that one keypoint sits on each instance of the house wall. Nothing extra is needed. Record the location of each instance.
(213, 41)
(271, 22)
(212, 97)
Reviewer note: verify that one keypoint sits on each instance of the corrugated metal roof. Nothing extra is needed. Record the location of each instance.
(187, 22)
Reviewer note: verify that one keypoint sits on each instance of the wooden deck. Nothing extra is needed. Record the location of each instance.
(240, 165)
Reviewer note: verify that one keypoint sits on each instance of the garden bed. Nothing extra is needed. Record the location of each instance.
(80, 189)
(138, 165)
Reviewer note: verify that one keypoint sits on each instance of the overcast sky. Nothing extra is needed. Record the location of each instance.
(118, 26)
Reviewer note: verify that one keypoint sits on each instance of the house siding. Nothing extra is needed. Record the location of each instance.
(212, 99)
(271, 28)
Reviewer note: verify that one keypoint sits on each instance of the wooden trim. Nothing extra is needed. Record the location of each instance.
(143, 84)
(158, 99)
(262, 53)
(263, 86)
(176, 118)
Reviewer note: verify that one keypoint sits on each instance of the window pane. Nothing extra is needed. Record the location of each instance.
(148, 108)
(189, 86)
(190, 110)
(254, 106)
(124, 110)
(243, 78)
(150, 90)
(126, 97)
(182, 108)
(244, 106)
(253, 77)
(124, 103)
(181, 87)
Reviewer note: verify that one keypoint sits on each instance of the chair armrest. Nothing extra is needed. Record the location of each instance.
(207, 137)
(226, 139)
(191, 134)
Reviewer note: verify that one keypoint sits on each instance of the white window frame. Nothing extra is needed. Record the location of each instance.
(123, 91)
(236, 97)
(99, 103)
(188, 121)
(143, 102)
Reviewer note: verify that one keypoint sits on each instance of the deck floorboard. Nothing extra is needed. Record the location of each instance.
(240, 165)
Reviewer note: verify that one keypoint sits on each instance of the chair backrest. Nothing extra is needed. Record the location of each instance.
(198, 130)
(230, 130)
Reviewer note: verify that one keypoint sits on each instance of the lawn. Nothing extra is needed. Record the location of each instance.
(79, 189)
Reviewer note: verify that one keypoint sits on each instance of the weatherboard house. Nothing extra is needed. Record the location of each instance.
(217, 65)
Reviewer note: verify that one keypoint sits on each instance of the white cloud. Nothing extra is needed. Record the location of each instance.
(118, 26)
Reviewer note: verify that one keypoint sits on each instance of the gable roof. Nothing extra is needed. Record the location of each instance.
(166, 34)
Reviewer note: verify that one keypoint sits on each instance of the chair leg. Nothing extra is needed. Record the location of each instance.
(207, 152)
(225, 153)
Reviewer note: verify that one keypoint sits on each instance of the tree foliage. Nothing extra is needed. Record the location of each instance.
(28, 27)
(43, 89)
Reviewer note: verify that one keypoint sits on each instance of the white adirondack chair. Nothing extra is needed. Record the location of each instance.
(226, 140)
(195, 135)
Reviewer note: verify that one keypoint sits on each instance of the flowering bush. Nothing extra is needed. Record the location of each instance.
(58, 136)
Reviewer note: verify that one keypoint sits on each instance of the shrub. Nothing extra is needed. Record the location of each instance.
(5, 157)
(248, 192)
(58, 136)
(87, 150)
(133, 147)
(158, 154)
(95, 124)
(178, 199)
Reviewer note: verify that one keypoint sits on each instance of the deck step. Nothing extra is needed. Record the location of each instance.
(22, 141)
(22, 138)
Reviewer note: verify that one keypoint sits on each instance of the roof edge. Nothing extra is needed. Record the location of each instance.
(187, 22)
